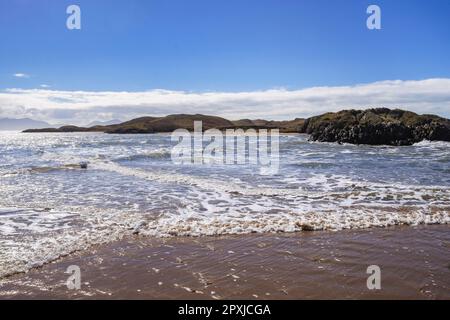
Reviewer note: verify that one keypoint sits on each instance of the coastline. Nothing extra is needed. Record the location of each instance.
(414, 262)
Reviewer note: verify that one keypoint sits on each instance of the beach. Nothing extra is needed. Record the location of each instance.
(414, 263)
(224, 151)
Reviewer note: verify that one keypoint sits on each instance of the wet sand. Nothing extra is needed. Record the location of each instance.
(414, 262)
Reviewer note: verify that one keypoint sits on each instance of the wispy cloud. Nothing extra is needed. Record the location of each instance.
(80, 107)
(45, 86)
(21, 75)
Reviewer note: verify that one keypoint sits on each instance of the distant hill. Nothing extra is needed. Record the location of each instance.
(179, 121)
(169, 124)
(7, 124)
(284, 126)
(104, 123)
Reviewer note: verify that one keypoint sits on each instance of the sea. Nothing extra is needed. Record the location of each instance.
(50, 206)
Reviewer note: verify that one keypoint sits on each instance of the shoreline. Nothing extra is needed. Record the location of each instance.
(414, 262)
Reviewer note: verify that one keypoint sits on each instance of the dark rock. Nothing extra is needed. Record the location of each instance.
(83, 165)
(138, 227)
(305, 226)
(377, 127)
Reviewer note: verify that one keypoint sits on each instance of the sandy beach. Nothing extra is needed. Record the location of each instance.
(414, 262)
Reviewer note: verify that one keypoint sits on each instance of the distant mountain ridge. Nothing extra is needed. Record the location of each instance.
(7, 124)
(104, 123)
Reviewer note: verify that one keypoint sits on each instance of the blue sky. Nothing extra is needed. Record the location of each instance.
(230, 45)
(219, 46)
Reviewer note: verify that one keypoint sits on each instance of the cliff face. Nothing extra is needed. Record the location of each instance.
(380, 126)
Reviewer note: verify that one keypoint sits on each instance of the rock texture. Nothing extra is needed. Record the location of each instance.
(380, 126)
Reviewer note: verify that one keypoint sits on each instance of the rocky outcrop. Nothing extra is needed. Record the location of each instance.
(380, 126)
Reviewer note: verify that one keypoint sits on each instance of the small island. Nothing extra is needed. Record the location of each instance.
(379, 126)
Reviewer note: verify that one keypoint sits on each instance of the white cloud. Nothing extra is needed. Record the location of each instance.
(21, 75)
(81, 107)
(45, 86)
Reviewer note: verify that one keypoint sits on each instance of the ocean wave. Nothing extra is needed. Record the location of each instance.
(18, 257)
(428, 143)
(41, 242)
(43, 169)
(343, 218)
(327, 183)
(163, 154)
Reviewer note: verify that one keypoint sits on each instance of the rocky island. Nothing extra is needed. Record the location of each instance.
(380, 126)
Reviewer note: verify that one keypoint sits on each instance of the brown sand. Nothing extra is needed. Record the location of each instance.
(414, 262)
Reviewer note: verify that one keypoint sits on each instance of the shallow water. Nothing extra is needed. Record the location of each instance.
(49, 207)
(414, 263)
